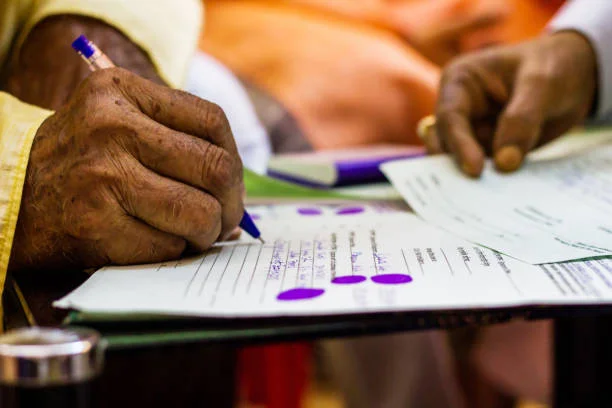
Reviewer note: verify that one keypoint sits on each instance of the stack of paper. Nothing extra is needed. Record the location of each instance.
(339, 167)
(352, 263)
(552, 210)
(355, 258)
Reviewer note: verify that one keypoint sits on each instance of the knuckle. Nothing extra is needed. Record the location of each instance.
(446, 113)
(556, 80)
(201, 217)
(216, 121)
(214, 211)
(104, 78)
(96, 101)
(539, 78)
(97, 78)
(547, 75)
(88, 106)
(174, 206)
(210, 222)
(458, 71)
(519, 120)
(219, 167)
(109, 136)
(102, 86)
(454, 90)
(445, 118)
(149, 249)
(214, 113)
(102, 181)
(173, 248)
(104, 172)
(234, 217)
(83, 216)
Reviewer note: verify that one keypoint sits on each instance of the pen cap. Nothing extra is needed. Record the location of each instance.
(42, 357)
(83, 46)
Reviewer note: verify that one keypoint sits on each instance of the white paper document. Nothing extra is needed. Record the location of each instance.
(551, 210)
(339, 261)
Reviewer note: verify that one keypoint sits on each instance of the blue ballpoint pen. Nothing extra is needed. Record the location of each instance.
(96, 59)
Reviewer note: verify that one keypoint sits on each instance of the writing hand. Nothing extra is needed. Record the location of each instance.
(127, 171)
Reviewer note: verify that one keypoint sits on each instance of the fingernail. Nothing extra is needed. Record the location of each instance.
(471, 169)
(467, 169)
(508, 158)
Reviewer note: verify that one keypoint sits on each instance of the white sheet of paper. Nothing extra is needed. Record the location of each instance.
(337, 262)
(552, 210)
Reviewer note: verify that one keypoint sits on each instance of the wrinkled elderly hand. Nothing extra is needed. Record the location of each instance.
(127, 172)
(507, 101)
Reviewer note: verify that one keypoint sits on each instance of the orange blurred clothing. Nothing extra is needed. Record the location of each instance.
(347, 83)
(357, 72)
(484, 21)
(525, 20)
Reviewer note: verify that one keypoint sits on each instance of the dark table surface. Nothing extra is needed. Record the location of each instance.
(201, 371)
(175, 375)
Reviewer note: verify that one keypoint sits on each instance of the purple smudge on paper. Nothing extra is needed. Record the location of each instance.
(309, 211)
(392, 279)
(350, 210)
(255, 217)
(300, 294)
(348, 280)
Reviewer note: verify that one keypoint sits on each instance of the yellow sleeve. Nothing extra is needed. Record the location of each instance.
(18, 125)
(167, 30)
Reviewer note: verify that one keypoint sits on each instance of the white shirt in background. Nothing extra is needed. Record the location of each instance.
(210, 80)
(593, 19)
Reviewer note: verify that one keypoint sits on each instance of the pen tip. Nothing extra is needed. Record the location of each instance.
(261, 240)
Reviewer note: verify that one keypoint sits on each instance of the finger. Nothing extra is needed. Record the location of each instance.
(453, 125)
(134, 242)
(484, 129)
(461, 142)
(556, 128)
(233, 235)
(173, 207)
(432, 141)
(520, 124)
(193, 161)
(177, 110)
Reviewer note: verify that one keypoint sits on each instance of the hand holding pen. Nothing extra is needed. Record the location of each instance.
(126, 172)
(96, 60)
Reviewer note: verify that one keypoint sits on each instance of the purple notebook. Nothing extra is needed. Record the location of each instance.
(336, 168)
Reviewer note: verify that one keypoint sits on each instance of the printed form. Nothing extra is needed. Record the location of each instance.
(552, 210)
(329, 261)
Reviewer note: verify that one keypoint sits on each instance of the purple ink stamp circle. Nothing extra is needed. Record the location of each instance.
(392, 279)
(309, 211)
(348, 280)
(350, 210)
(300, 294)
